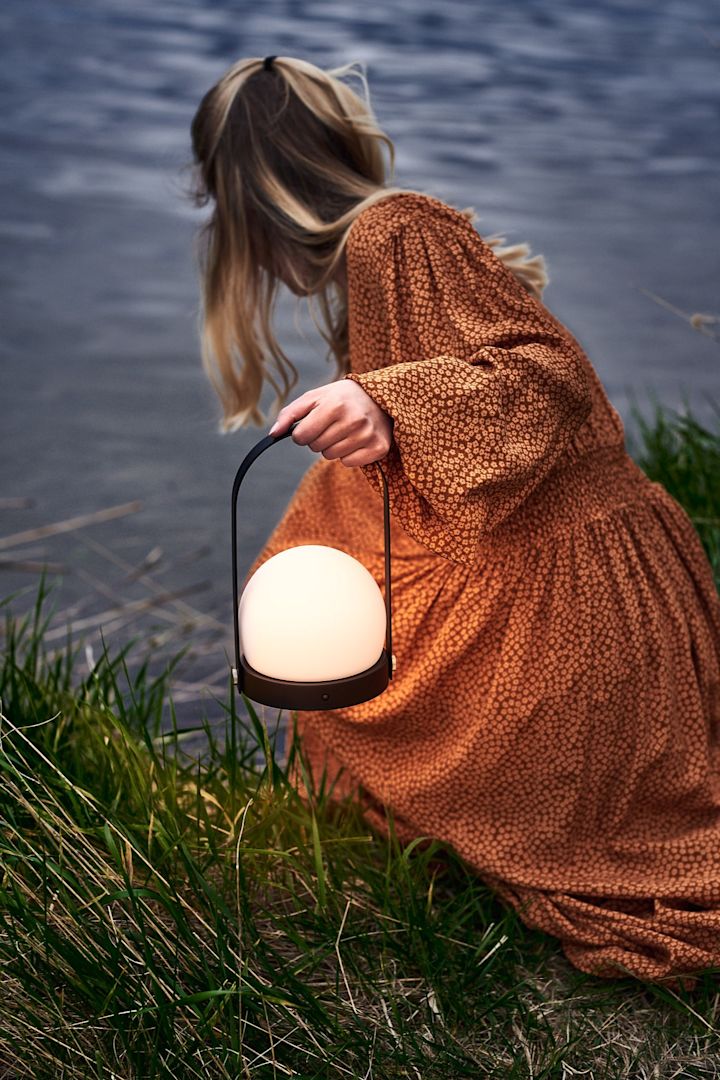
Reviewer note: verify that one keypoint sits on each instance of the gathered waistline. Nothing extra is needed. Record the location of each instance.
(590, 486)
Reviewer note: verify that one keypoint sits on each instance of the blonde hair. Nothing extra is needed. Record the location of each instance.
(290, 156)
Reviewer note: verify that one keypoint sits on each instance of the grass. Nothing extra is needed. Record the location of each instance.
(169, 916)
(684, 456)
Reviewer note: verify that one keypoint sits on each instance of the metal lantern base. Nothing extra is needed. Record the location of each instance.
(330, 694)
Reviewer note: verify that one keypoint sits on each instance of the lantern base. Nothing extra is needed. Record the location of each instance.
(329, 694)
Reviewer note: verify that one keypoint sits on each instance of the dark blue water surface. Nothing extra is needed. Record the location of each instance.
(590, 131)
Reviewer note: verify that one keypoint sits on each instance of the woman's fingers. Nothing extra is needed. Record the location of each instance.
(296, 410)
(340, 421)
(342, 437)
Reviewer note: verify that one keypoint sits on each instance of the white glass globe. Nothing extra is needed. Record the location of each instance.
(312, 613)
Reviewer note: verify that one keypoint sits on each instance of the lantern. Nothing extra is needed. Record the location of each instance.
(311, 621)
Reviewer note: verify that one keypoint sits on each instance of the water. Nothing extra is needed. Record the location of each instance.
(590, 132)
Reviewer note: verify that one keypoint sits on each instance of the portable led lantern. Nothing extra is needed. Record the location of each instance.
(311, 621)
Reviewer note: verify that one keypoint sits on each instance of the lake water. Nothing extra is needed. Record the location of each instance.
(589, 131)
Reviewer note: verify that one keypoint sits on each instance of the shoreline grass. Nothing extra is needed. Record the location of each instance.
(168, 916)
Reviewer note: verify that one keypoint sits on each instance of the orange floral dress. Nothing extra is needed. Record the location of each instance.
(555, 711)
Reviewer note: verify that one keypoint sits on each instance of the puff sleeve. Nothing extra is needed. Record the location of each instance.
(485, 389)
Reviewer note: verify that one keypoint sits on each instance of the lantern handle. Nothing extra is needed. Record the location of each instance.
(247, 461)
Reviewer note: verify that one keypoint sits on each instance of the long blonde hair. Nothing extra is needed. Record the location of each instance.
(290, 156)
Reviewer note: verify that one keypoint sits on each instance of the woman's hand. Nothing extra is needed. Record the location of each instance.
(342, 421)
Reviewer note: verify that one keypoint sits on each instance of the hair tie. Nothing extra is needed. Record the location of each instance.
(267, 63)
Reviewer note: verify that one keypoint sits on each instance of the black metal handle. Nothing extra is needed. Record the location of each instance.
(251, 456)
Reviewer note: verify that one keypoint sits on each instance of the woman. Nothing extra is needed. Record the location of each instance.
(555, 711)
